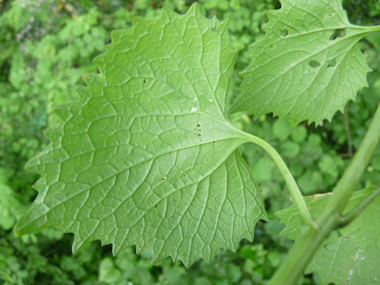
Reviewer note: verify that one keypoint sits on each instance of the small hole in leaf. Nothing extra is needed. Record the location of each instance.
(338, 33)
(200, 130)
(198, 125)
(200, 135)
(314, 64)
(144, 81)
(156, 206)
(214, 142)
(284, 33)
(163, 179)
(206, 159)
(332, 63)
(329, 12)
(186, 138)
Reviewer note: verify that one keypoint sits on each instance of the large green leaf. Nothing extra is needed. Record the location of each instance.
(307, 66)
(350, 257)
(147, 156)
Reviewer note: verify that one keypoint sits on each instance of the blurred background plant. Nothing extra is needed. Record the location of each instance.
(45, 48)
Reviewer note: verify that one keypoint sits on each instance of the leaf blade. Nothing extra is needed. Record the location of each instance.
(142, 158)
(303, 69)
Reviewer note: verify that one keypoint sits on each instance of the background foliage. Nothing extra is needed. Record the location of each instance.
(45, 47)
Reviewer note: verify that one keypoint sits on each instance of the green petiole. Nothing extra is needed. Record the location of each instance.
(294, 190)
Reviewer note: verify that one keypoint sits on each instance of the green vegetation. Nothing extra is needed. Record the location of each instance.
(46, 46)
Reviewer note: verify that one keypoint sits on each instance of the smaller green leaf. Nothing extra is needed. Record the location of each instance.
(307, 66)
(350, 257)
(290, 149)
(262, 170)
(108, 273)
(328, 165)
(306, 183)
(296, 169)
(317, 177)
(299, 133)
(314, 140)
(281, 129)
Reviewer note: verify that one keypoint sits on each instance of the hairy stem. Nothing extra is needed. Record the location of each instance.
(330, 218)
(295, 192)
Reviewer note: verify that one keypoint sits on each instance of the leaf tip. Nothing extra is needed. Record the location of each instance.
(77, 244)
(194, 7)
(17, 231)
(117, 248)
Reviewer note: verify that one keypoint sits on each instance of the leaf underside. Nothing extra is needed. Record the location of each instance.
(147, 156)
(307, 66)
(350, 257)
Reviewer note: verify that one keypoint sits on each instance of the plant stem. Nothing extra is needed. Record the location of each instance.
(351, 176)
(301, 253)
(295, 192)
(329, 219)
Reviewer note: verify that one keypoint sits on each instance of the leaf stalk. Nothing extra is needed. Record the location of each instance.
(372, 28)
(294, 190)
